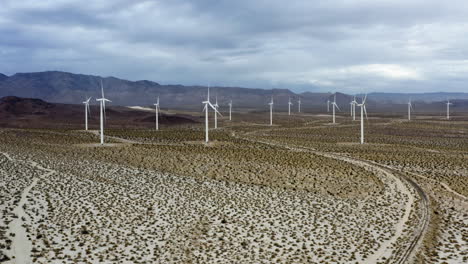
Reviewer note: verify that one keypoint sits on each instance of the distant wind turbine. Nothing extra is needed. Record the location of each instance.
(271, 111)
(410, 107)
(87, 111)
(448, 109)
(230, 110)
(363, 111)
(102, 102)
(208, 104)
(299, 105)
(334, 104)
(289, 106)
(156, 107)
(353, 108)
(216, 115)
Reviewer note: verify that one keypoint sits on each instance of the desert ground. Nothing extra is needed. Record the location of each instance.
(300, 191)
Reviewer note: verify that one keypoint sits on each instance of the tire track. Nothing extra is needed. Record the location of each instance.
(21, 245)
(418, 236)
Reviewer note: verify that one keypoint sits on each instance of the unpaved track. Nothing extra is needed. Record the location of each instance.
(21, 246)
(418, 236)
(121, 140)
(406, 254)
(409, 253)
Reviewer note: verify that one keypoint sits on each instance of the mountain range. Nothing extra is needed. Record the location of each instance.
(70, 88)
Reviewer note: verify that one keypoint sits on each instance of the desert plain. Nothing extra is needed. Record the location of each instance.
(300, 191)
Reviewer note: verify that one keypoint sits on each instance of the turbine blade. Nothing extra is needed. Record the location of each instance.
(104, 109)
(102, 90)
(215, 109)
(365, 111)
(218, 112)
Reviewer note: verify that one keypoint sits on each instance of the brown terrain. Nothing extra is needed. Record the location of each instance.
(19, 112)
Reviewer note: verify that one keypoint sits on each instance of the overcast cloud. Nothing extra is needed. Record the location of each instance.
(333, 45)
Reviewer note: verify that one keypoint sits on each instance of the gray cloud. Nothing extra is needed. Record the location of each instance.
(344, 45)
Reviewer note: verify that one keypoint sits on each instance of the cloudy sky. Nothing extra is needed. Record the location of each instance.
(329, 45)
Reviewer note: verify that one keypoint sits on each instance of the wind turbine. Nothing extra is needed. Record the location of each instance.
(363, 111)
(87, 110)
(334, 105)
(328, 105)
(289, 106)
(156, 107)
(410, 107)
(299, 105)
(353, 108)
(271, 111)
(230, 110)
(216, 116)
(102, 102)
(208, 104)
(448, 109)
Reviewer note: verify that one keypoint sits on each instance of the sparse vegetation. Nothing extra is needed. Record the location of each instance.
(284, 194)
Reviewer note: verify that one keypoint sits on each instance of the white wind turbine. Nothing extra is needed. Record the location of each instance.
(448, 109)
(353, 108)
(87, 111)
(410, 107)
(328, 105)
(230, 110)
(102, 102)
(156, 107)
(334, 104)
(216, 115)
(289, 106)
(207, 104)
(271, 111)
(363, 111)
(299, 105)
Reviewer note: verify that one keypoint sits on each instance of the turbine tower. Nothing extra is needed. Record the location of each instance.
(208, 104)
(230, 110)
(102, 101)
(335, 105)
(299, 105)
(353, 108)
(87, 111)
(363, 111)
(289, 106)
(410, 107)
(156, 107)
(271, 111)
(216, 115)
(448, 109)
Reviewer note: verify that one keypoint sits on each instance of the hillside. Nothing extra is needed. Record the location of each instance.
(36, 113)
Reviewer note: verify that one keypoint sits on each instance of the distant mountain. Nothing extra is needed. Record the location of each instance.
(401, 98)
(36, 113)
(63, 87)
